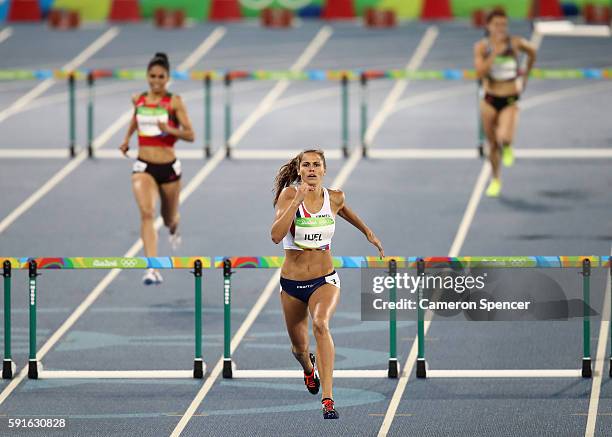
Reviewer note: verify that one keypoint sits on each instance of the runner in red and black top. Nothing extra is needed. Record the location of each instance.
(160, 119)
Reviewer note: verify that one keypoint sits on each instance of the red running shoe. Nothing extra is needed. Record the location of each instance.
(329, 412)
(312, 380)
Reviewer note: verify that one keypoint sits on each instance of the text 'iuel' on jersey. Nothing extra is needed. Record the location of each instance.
(312, 230)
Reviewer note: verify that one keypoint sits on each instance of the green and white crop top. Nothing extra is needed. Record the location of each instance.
(311, 231)
(505, 66)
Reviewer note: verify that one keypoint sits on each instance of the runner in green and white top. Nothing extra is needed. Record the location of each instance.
(496, 59)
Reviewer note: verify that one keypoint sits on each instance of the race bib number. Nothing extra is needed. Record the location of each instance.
(148, 118)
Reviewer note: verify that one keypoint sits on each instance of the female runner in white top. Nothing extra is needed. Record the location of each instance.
(305, 222)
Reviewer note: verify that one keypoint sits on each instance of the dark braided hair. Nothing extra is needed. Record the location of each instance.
(160, 59)
(288, 174)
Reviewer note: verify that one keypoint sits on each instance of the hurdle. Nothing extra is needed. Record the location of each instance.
(584, 263)
(341, 76)
(34, 265)
(208, 77)
(230, 369)
(8, 366)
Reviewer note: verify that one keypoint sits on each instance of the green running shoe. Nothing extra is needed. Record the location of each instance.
(507, 156)
(494, 188)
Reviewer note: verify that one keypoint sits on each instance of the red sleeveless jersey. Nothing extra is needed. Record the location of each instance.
(147, 116)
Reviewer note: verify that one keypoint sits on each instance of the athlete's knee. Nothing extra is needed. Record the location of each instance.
(147, 214)
(320, 326)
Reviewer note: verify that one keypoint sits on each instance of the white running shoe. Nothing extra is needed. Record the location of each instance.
(151, 277)
(175, 241)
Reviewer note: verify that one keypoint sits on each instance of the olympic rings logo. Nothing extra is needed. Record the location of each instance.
(262, 4)
(128, 262)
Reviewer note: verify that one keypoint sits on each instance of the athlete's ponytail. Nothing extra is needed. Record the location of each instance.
(288, 174)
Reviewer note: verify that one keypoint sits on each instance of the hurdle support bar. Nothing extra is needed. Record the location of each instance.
(32, 363)
(586, 322)
(90, 114)
(227, 318)
(363, 116)
(72, 114)
(228, 113)
(393, 370)
(207, 116)
(198, 363)
(421, 365)
(344, 115)
(8, 367)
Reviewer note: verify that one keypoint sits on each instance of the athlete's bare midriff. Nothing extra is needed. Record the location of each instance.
(156, 154)
(502, 89)
(302, 265)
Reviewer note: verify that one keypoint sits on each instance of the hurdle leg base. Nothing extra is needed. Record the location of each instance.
(227, 368)
(8, 369)
(481, 151)
(345, 151)
(33, 369)
(198, 368)
(421, 368)
(207, 152)
(228, 151)
(610, 367)
(586, 368)
(393, 368)
(364, 151)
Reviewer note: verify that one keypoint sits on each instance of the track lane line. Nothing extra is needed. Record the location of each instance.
(105, 136)
(27, 98)
(272, 284)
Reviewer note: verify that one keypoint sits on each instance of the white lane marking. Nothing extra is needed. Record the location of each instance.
(266, 103)
(27, 98)
(108, 278)
(203, 48)
(454, 251)
(196, 181)
(78, 160)
(5, 34)
(433, 96)
(600, 359)
(470, 211)
(271, 286)
(400, 86)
